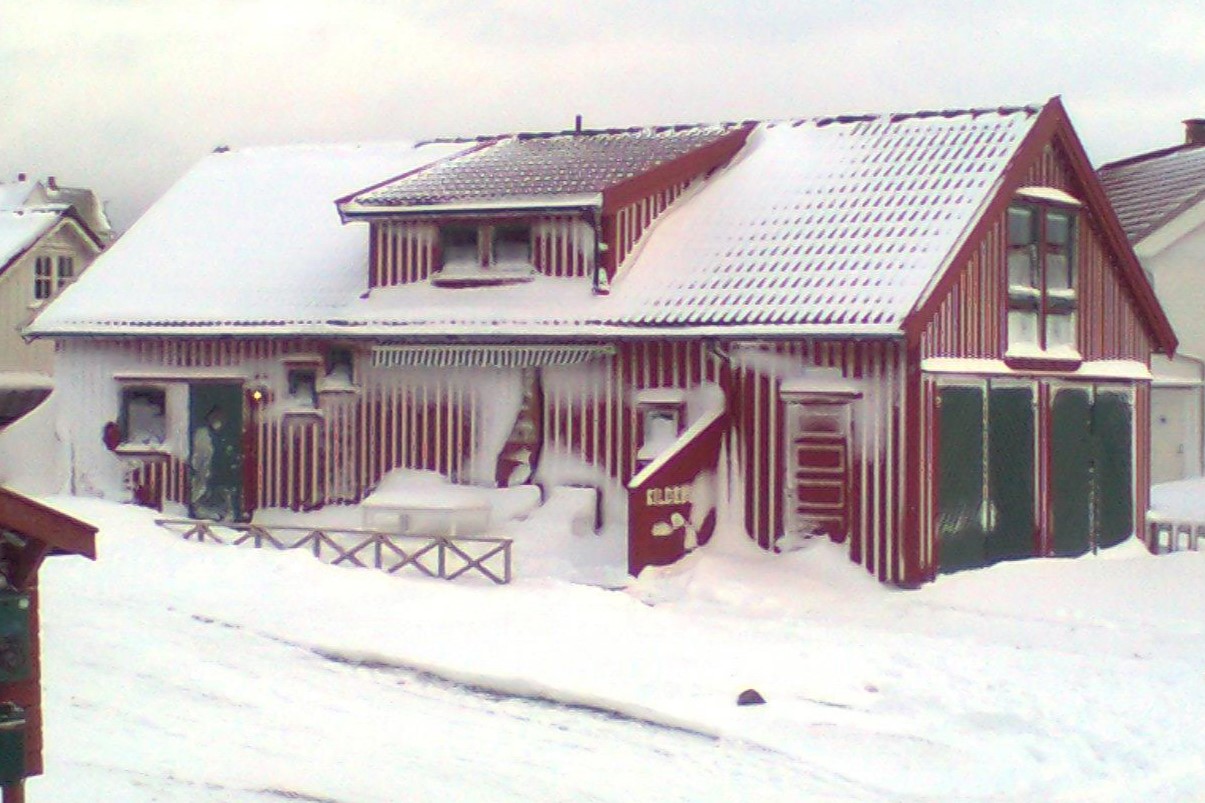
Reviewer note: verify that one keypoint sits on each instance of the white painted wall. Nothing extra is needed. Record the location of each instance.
(1174, 257)
(17, 305)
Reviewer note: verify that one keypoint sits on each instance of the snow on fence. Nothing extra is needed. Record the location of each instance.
(1166, 535)
(388, 552)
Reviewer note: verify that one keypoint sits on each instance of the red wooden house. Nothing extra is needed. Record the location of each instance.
(922, 335)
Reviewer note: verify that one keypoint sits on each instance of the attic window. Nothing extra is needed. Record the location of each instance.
(43, 278)
(485, 254)
(1041, 280)
(459, 245)
(511, 243)
(66, 271)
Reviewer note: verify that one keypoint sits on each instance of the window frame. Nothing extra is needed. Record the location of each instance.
(128, 394)
(488, 238)
(43, 277)
(1039, 300)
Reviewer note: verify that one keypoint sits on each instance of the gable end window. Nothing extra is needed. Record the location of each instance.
(43, 278)
(1042, 303)
(66, 271)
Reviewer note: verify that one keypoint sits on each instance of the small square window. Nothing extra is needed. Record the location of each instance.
(303, 387)
(143, 416)
(340, 367)
(459, 245)
(512, 244)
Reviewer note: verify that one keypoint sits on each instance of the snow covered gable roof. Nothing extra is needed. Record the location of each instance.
(20, 230)
(541, 167)
(825, 225)
(247, 236)
(1147, 191)
(839, 222)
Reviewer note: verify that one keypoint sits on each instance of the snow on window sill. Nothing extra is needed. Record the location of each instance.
(146, 451)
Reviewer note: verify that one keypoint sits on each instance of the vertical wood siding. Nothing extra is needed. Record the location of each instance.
(632, 220)
(401, 252)
(562, 246)
(971, 322)
(434, 419)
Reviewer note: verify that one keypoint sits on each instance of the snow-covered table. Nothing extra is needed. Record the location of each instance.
(424, 503)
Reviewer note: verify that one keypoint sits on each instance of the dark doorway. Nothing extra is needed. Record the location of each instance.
(215, 460)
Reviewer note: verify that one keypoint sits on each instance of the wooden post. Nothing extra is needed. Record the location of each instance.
(14, 793)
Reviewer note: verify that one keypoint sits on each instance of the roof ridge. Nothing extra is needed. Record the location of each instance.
(586, 132)
(1150, 155)
(819, 120)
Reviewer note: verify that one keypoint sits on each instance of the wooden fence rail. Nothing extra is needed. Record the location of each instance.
(1166, 535)
(369, 549)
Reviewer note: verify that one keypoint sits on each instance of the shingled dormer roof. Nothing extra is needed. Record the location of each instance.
(1149, 190)
(518, 169)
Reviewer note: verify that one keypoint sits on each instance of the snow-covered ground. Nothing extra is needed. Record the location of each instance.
(182, 672)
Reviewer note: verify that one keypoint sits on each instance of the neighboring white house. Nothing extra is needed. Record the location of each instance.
(48, 236)
(1160, 199)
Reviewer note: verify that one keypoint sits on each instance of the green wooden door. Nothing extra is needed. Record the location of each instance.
(1071, 471)
(960, 484)
(215, 461)
(1112, 418)
(1010, 473)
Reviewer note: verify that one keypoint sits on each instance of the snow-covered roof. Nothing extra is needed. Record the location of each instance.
(1149, 190)
(14, 194)
(248, 236)
(541, 166)
(21, 229)
(819, 226)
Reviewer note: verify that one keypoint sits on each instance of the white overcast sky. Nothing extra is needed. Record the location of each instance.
(124, 95)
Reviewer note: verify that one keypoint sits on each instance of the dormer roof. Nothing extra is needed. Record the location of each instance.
(573, 168)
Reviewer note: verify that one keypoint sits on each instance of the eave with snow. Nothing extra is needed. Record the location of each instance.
(828, 327)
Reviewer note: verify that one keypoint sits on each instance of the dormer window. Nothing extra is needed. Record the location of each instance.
(1041, 280)
(460, 246)
(485, 254)
(511, 245)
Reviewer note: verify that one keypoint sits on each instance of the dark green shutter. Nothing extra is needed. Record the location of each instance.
(960, 488)
(1011, 473)
(1111, 427)
(1071, 471)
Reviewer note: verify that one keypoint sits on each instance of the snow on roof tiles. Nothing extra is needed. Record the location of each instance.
(20, 230)
(1148, 191)
(531, 165)
(245, 236)
(825, 222)
(827, 225)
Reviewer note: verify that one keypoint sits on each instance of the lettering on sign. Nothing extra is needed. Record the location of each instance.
(673, 495)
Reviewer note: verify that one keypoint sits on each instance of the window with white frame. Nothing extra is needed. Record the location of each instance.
(1041, 280)
(66, 271)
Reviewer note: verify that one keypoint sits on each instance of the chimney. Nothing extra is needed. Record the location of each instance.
(21, 177)
(1194, 131)
(51, 183)
(577, 124)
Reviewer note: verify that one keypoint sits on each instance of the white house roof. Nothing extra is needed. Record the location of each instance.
(248, 236)
(21, 229)
(823, 225)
